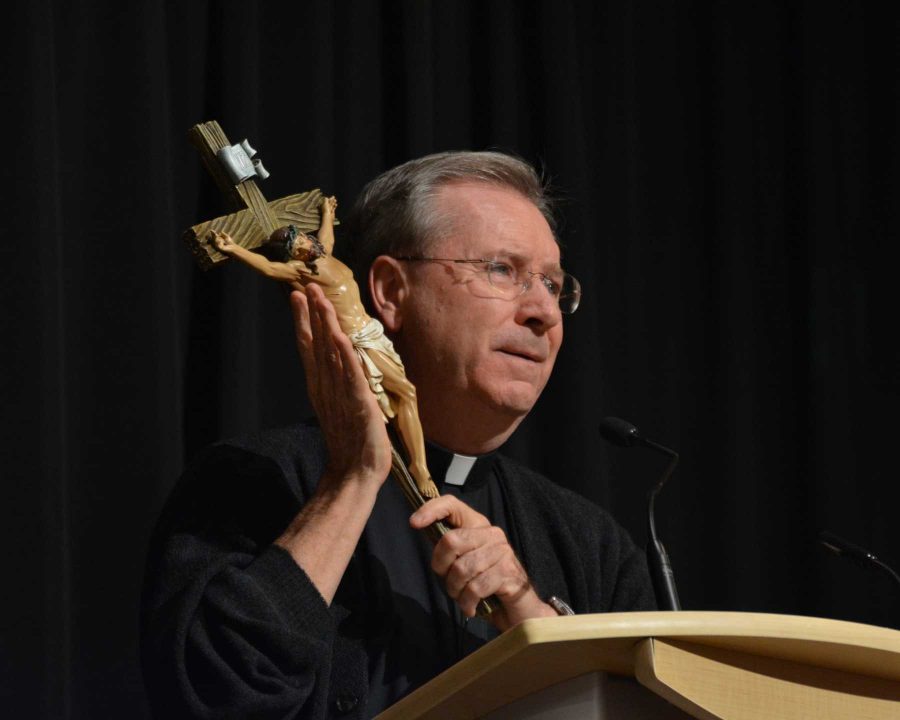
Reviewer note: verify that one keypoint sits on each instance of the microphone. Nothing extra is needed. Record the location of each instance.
(624, 434)
(855, 553)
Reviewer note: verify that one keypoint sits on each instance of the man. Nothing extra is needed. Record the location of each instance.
(281, 582)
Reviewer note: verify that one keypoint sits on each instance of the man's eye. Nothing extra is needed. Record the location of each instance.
(498, 269)
(554, 287)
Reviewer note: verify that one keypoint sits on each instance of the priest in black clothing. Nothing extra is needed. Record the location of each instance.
(284, 579)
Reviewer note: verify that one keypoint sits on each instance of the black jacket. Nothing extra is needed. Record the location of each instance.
(233, 628)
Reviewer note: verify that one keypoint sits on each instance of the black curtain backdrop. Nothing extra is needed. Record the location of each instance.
(729, 181)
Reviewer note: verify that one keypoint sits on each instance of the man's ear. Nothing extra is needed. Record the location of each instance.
(388, 289)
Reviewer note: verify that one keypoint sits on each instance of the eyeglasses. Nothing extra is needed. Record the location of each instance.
(509, 282)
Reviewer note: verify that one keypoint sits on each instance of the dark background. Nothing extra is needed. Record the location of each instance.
(729, 181)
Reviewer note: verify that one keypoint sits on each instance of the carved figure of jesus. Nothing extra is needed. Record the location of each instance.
(309, 260)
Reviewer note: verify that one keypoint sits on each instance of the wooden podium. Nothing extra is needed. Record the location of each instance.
(687, 664)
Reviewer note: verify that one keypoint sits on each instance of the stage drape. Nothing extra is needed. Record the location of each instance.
(728, 178)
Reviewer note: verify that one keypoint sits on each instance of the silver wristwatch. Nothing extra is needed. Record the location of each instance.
(561, 606)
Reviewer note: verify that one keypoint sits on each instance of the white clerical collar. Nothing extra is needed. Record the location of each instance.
(459, 469)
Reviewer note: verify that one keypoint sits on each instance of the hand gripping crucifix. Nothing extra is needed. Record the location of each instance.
(277, 228)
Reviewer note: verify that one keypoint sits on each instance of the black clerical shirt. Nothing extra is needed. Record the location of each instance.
(424, 632)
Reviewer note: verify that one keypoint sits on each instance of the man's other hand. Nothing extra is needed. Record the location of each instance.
(475, 561)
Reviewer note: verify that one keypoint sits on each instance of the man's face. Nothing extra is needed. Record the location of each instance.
(473, 356)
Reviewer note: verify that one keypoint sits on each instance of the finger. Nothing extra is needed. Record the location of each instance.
(303, 333)
(339, 367)
(330, 327)
(509, 590)
(322, 353)
(450, 508)
(354, 378)
(455, 547)
(302, 327)
(329, 333)
(315, 318)
(304, 338)
(462, 570)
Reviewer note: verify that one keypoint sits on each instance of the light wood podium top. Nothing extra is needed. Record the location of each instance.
(542, 652)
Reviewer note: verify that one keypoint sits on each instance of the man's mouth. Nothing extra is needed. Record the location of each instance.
(524, 354)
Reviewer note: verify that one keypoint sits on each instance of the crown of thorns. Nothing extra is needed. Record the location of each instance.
(288, 236)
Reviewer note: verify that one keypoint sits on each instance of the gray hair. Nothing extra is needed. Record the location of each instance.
(395, 213)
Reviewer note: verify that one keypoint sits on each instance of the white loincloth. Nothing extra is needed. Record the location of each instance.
(372, 337)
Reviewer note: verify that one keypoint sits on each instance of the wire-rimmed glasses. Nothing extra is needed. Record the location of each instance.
(508, 282)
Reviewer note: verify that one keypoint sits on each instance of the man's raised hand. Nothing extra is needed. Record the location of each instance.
(351, 421)
(359, 455)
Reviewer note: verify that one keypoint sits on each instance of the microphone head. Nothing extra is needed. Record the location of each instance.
(619, 432)
(839, 546)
